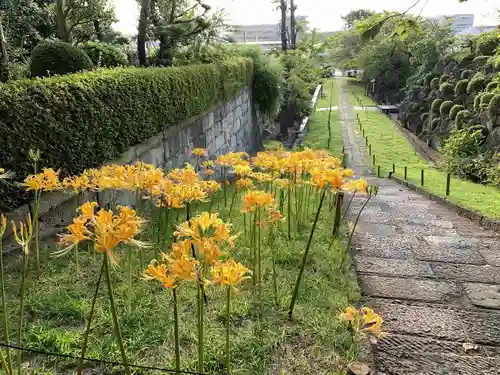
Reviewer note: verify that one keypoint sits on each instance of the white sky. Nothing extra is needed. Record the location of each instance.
(323, 14)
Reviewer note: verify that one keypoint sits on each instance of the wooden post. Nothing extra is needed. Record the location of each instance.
(406, 172)
(338, 213)
(366, 140)
(422, 177)
(393, 168)
(378, 167)
(448, 183)
(363, 132)
(370, 149)
(373, 157)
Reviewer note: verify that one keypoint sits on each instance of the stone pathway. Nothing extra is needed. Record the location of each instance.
(432, 275)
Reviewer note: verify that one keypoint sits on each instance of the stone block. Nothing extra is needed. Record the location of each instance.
(448, 254)
(452, 241)
(128, 157)
(208, 121)
(153, 142)
(219, 142)
(481, 327)
(154, 156)
(484, 295)
(387, 266)
(196, 129)
(467, 272)
(18, 215)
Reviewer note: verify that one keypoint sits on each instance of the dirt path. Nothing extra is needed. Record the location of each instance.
(432, 275)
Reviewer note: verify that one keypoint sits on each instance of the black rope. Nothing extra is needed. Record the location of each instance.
(51, 354)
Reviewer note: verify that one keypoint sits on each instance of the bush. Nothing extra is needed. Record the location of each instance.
(475, 85)
(492, 86)
(494, 108)
(93, 117)
(477, 101)
(435, 123)
(480, 61)
(105, 55)
(462, 118)
(424, 116)
(454, 110)
(466, 74)
(436, 104)
(461, 87)
(267, 82)
(445, 107)
(487, 43)
(444, 78)
(434, 83)
(52, 58)
(485, 100)
(428, 78)
(446, 89)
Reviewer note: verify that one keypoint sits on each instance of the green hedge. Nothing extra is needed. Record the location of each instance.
(83, 120)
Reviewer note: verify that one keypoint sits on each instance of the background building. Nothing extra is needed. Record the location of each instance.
(459, 22)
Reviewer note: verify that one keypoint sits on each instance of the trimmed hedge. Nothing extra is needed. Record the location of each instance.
(466, 74)
(436, 104)
(486, 99)
(435, 123)
(444, 78)
(494, 108)
(461, 87)
(428, 78)
(446, 107)
(84, 120)
(57, 57)
(462, 118)
(447, 89)
(487, 43)
(424, 116)
(454, 111)
(475, 85)
(492, 86)
(434, 83)
(105, 55)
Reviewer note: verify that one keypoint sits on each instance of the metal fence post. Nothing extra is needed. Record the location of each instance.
(448, 183)
(422, 177)
(406, 172)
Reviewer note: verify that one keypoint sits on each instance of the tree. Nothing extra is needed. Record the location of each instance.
(356, 15)
(142, 30)
(282, 5)
(293, 26)
(4, 56)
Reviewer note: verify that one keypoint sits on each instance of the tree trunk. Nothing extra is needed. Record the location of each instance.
(293, 26)
(284, 41)
(165, 54)
(62, 25)
(98, 31)
(4, 56)
(141, 32)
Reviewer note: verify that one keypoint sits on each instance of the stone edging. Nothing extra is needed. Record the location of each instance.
(303, 128)
(474, 216)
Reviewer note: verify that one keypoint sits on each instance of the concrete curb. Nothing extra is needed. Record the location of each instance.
(473, 216)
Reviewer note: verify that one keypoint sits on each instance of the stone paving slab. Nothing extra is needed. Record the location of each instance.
(467, 272)
(483, 295)
(449, 254)
(389, 266)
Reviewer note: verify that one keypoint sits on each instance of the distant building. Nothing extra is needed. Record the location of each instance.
(459, 22)
(476, 30)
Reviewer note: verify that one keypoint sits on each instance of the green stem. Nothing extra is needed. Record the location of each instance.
(115, 317)
(4, 309)
(289, 212)
(21, 310)
(232, 203)
(253, 241)
(5, 366)
(354, 227)
(228, 329)
(271, 246)
(348, 205)
(36, 228)
(245, 226)
(89, 322)
(200, 328)
(129, 279)
(225, 186)
(258, 247)
(176, 332)
(304, 258)
(77, 260)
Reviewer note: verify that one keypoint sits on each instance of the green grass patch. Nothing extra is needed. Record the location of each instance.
(390, 146)
(357, 88)
(317, 136)
(330, 92)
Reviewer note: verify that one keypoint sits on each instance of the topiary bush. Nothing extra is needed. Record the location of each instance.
(446, 89)
(436, 104)
(492, 86)
(461, 87)
(475, 85)
(435, 123)
(428, 78)
(57, 57)
(466, 74)
(444, 78)
(487, 43)
(477, 101)
(434, 83)
(480, 61)
(105, 55)
(446, 107)
(485, 100)
(424, 116)
(462, 118)
(84, 120)
(454, 110)
(494, 109)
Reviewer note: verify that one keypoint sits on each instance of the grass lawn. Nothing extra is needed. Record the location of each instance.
(317, 136)
(359, 89)
(262, 340)
(390, 146)
(331, 92)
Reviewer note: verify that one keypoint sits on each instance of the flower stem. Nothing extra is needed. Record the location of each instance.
(115, 317)
(354, 227)
(225, 186)
(348, 205)
(129, 279)
(200, 328)
(228, 329)
(21, 310)
(253, 241)
(36, 228)
(176, 332)
(232, 203)
(259, 264)
(89, 322)
(5, 366)
(77, 261)
(304, 258)
(4, 310)
(289, 212)
(271, 246)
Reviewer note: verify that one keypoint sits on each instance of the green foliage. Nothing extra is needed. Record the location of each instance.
(446, 89)
(428, 78)
(83, 120)
(446, 107)
(267, 84)
(435, 122)
(424, 116)
(480, 61)
(444, 78)
(454, 111)
(52, 58)
(475, 85)
(461, 87)
(462, 154)
(449, 57)
(436, 104)
(434, 83)
(105, 55)
(492, 86)
(462, 118)
(494, 108)
(486, 99)
(466, 74)
(477, 101)
(487, 43)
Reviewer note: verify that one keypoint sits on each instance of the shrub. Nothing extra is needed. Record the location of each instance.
(492, 86)
(444, 78)
(462, 118)
(466, 74)
(93, 117)
(449, 57)
(428, 78)
(445, 107)
(480, 61)
(435, 123)
(494, 108)
(105, 55)
(51, 58)
(434, 83)
(475, 85)
(461, 87)
(485, 100)
(436, 104)
(477, 101)
(424, 116)
(454, 110)
(268, 80)
(446, 89)
(487, 43)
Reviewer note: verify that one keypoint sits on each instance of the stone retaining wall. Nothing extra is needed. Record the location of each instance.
(230, 126)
